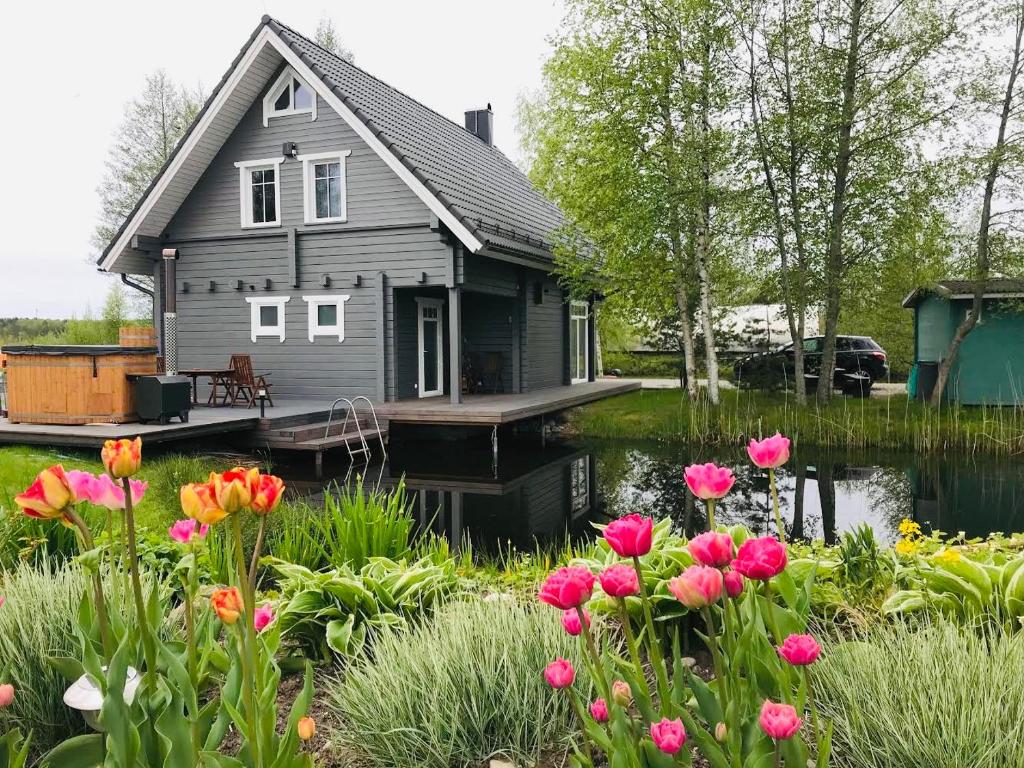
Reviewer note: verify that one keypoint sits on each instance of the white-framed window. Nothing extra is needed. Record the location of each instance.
(266, 316)
(579, 341)
(289, 95)
(323, 181)
(326, 315)
(259, 184)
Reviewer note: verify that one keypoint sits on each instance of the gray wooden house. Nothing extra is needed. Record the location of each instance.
(352, 240)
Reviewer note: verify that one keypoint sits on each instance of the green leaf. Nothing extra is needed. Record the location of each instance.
(339, 635)
(217, 760)
(85, 751)
(69, 668)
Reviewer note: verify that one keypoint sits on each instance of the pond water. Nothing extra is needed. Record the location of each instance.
(534, 495)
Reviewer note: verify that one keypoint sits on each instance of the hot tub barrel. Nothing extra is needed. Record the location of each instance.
(64, 384)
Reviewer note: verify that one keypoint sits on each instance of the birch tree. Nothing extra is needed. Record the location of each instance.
(1001, 163)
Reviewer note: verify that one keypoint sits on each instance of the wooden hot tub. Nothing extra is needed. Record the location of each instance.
(82, 384)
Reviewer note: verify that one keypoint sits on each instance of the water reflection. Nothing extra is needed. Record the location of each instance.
(539, 495)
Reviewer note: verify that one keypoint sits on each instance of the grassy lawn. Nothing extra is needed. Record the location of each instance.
(895, 422)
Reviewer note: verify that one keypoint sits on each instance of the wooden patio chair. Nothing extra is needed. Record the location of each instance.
(494, 363)
(244, 383)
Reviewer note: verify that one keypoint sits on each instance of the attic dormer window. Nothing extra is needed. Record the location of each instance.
(289, 95)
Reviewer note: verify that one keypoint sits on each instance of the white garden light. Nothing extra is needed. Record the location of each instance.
(85, 696)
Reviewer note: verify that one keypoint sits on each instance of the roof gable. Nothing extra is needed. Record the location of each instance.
(483, 198)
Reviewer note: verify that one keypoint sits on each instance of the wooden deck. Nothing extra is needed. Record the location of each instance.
(501, 409)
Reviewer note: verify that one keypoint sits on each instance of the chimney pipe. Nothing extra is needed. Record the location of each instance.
(170, 256)
(480, 122)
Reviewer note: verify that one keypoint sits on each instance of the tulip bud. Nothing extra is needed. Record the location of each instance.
(122, 458)
(306, 728)
(721, 733)
(621, 693)
(6, 695)
(227, 604)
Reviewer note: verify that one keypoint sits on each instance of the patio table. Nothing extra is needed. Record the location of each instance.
(217, 376)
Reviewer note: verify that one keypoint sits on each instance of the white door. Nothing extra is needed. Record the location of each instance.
(430, 335)
(579, 342)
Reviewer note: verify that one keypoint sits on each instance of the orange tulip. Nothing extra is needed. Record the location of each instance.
(306, 728)
(199, 503)
(267, 495)
(122, 458)
(234, 488)
(227, 604)
(48, 496)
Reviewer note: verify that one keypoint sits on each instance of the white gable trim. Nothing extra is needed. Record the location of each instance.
(268, 36)
(357, 125)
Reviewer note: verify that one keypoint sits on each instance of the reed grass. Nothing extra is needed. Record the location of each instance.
(896, 422)
(941, 696)
(462, 687)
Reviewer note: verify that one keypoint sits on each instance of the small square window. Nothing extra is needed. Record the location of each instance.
(267, 316)
(326, 315)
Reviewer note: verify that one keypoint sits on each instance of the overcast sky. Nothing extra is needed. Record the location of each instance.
(80, 63)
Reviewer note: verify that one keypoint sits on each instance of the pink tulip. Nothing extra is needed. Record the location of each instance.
(779, 721)
(733, 583)
(630, 536)
(184, 530)
(571, 621)
(568, 587)
(697, 587)
(800, 650)
(599, 710)
(770, 453)
(669, 735)
(262, 617)
(619, 581)
(82, 484)
(559, 673)
(711, 548)
(2, 601)
(761, 559)
(104, 491)
(6, 695)
(708, 481)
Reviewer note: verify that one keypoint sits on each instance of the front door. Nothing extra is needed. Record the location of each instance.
(430, 337)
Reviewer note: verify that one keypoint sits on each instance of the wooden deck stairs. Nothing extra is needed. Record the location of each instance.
(320, 432)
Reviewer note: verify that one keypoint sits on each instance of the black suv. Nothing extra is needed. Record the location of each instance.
(860, 362)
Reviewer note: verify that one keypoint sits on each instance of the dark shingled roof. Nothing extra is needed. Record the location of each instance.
(995, 288)
(476, 182)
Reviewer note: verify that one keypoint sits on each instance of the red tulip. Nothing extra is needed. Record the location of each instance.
(708, 481)
(733, 583)
(779, 721)
(568, 587)
(571, 621)
(711, 548)
(761, 559)
(668, 735)
(267, 494)
(559, 673)
(599, 710)
(770, 453)
(47, 497)
(697, 587)
(227, 604)
(630, 536)
(234, 488)
(800, 650)
(619, 581)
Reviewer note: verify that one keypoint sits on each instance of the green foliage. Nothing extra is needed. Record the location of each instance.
(39, 621)
(339, 610)
(940, 696)
(891, 422)
(458, 689)
(655, 365)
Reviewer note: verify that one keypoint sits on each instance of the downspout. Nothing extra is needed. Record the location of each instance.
(137, 286)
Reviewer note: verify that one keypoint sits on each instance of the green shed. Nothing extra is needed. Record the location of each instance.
(990, 367)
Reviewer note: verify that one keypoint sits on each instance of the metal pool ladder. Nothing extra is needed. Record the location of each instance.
(364, 447)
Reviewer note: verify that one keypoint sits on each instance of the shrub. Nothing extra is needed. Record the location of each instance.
(941, 696)
(460, 688)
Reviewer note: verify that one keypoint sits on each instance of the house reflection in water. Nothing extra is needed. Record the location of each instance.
(532, 497)
(976, 497)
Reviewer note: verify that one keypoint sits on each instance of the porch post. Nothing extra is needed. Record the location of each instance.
(455, 344)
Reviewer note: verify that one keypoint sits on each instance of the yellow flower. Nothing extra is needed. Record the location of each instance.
(948, 556)
(906, 547)
(909, 529)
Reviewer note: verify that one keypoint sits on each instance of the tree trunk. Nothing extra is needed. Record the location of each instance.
(686, 331)
(703, 244)
(834, 271)
(982, 256)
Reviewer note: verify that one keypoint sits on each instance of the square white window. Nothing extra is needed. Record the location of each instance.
(266, 316)
(326, 315)
(289, 95)
(323, 176)
(260, 192)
